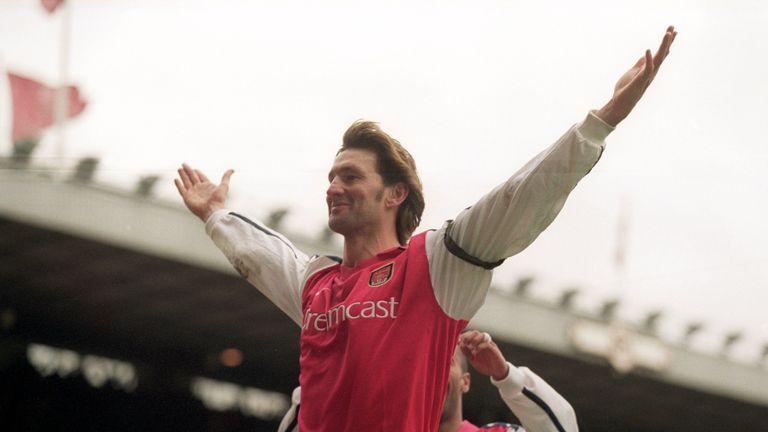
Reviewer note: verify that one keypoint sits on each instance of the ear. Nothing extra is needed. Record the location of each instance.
(397, 194)
(465, 382)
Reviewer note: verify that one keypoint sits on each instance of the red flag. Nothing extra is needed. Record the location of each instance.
(34, 106)
(51, 5)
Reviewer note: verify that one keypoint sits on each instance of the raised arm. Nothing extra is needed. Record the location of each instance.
(535, 403)
(509, 218)
(262, 256)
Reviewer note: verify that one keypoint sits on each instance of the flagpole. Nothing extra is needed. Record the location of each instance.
(62, 92)
(620, 254)
(6, 109)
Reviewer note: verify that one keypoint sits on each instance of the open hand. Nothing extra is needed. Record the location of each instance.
(200, 195)
(631, 86)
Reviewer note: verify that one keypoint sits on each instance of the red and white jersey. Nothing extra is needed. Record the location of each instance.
(395, 317)
(362, 328)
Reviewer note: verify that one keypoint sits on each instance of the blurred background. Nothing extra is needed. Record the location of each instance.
(643, 304)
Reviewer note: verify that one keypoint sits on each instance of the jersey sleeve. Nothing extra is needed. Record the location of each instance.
(263, 257)
(535, 403)
(509, 218)
(290, 421)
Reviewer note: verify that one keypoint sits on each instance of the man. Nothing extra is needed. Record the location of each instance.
(537, 405)
(394, 307)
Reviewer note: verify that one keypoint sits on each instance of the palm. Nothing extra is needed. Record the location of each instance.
(206, 194)
(630, 77)
(201, 196)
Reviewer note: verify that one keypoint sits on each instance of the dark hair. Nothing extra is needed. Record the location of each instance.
(394, 165)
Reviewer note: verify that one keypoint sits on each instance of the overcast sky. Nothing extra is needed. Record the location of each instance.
(473, 89)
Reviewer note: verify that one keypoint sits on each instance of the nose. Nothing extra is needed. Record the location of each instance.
(334, 189)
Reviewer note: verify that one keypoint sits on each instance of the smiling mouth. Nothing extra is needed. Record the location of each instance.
(338, 206)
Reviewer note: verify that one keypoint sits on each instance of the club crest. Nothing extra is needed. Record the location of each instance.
(381, 275)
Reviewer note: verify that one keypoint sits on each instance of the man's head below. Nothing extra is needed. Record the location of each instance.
(373, 185)
(458, 384)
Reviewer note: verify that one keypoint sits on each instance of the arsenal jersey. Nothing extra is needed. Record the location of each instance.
(384, 312)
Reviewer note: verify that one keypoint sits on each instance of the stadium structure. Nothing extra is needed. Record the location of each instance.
(117, 313)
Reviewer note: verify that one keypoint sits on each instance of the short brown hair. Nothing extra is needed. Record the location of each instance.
(394, 165)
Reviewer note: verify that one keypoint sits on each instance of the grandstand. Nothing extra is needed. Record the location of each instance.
(117, 313)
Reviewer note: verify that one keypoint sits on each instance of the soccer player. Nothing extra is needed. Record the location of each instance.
(379, 325)
(535, 403)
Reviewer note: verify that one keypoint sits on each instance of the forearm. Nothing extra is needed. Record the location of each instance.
(509, 218)
(263, 257)
(608, 114)
(535, 403)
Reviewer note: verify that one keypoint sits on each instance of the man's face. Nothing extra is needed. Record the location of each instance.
(355, 196)
(458, 384)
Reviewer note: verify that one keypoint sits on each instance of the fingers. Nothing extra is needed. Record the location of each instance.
(192, 174)
(472, 342)
(201, 176)
(669, 37)
(472, 337)
(657, 59)
(467, 351)
(466, 344)
(191, 177)
(666, 43)
(184, 176)
(648, 72)
(180, 187)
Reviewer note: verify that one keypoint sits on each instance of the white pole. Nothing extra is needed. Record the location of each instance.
(620, 253)
(62, 93)
(6, 110)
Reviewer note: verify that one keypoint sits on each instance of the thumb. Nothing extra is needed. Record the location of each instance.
(226, 176)
(648, 71)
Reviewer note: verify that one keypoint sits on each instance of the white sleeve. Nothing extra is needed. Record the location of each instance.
(510, 217)
(263, 257)
(290, 423)
(535, 403)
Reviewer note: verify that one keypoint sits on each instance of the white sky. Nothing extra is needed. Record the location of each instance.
(473, 89)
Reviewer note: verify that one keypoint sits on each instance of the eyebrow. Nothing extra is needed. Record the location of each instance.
(345, 167)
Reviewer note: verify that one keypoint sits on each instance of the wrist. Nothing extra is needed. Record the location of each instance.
(203, 215)
(206, 213)
(501, 373)
(607, 114)
(513, 383)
